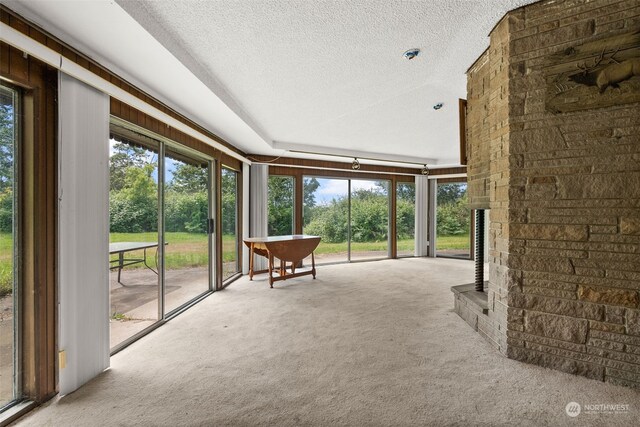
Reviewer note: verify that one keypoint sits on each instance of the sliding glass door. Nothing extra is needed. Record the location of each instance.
(9, 240)
(186, 227)
(160, 241)
(133, 238)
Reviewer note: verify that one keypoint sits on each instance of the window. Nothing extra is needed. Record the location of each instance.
(159, 242)
(370, 206)
(230, 242)
(453, 221)
(351, 217)
(281, 205)
(186, 227)
(326, 214)
(405, 218)
(9, 242)
(133, 223)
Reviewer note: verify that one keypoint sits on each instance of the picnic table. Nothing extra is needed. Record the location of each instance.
(121, 248)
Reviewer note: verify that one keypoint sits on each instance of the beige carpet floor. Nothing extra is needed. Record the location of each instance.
(365, 344)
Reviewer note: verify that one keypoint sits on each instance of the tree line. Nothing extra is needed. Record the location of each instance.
(369, 211)
(133, 195)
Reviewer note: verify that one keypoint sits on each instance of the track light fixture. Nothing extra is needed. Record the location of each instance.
(425, 170)
(356, 164)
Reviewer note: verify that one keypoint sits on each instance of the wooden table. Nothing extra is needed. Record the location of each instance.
(293, 249)
(121, 248)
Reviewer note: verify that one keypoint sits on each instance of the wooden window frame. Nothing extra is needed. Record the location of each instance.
(38, 218)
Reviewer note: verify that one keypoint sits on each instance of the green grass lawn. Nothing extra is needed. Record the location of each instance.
(459, 241)
(6, 263)
(191, 250)
(182, 251)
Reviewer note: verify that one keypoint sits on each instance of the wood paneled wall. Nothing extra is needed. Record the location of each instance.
(38, 218)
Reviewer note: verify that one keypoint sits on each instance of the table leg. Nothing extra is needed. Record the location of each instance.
(313, 266)
(145, 260)
(251, 261)
(120, 264)
(270, 270)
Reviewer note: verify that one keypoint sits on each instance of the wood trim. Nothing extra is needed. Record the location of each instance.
(462, 115)
(339, 168)
(31, 30)
(231, 162)
(451, 180)
(38, 219)
(132, 115)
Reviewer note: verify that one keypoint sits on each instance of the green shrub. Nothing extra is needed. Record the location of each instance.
(453, 217)
(6, 211)
(186, 212)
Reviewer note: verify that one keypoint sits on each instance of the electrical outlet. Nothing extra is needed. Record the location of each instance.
(62, 359)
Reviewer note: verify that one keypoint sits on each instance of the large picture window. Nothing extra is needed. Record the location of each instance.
(453, 221)
(370, 206)
(351, 217)
(281, 205)
(406, 218)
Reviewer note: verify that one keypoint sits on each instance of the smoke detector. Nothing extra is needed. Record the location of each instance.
(411, 53)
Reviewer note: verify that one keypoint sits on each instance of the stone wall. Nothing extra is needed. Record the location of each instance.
(565, 202)
(477, 137)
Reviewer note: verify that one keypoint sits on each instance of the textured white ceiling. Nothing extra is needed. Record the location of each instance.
(325, 75)
(308, 75)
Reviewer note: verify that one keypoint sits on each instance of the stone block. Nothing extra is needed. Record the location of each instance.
(541, 139)
(594, 325)
(625, 339)
(558, 327)
(617, 297)
(600, 186)
(614, 315)
(633, 322)
(560, 363)
(559, 306)
(607, 345)
(630, 226)
(548, 264)
(549, 232)
(603, 229)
